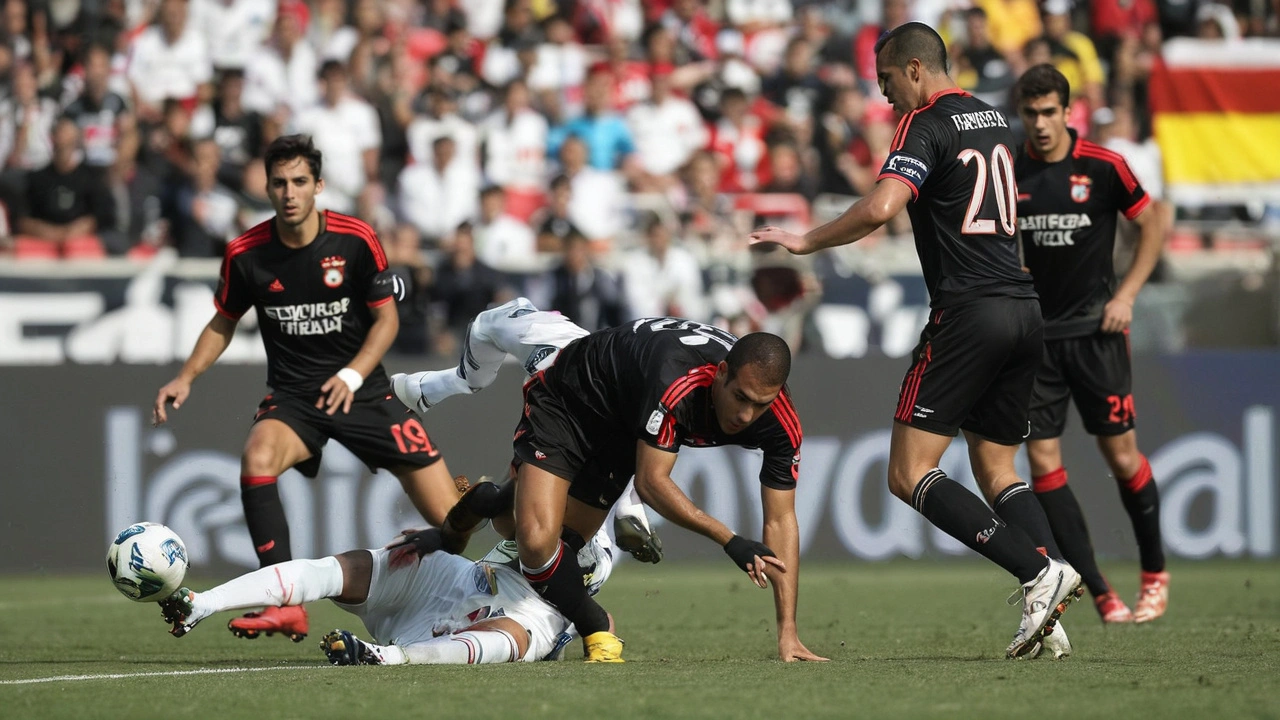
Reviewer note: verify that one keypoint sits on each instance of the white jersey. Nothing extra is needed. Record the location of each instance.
(443, 594)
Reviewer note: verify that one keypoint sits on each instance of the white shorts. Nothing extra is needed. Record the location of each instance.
(444, 594)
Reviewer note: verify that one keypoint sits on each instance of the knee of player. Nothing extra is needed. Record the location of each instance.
(1121, 455)
(259, 459)
(902, 483)
(537, 543)
(1044, 456)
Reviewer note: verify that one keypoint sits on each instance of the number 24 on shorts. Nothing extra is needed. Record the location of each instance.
(1121, 408)
(411, 437)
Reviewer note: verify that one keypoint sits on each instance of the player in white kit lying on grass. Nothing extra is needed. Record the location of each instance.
(534, 338)
(421, 605)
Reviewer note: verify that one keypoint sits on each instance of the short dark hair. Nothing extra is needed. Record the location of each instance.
(291, 147)
(913, 40)
(975, 12)
(560, 181)
(766, 351)
(1039, 81)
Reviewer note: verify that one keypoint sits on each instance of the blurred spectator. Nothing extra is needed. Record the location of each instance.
(234, 29)
(138, 197)
(237, 131)
(435, 197)
(893, 14)
(753, 15)
(845, 157)
(553, 222)
(67, 202)
(169, 60)
(280, 76)
(345, 129)
(503, 242)
(668, 130)
(511, 53)
(26, 121)
(562, 63)
(729, 71)
(392, 98)
(439, 119)
(600, 21)
(980, 67)
(442, 15)
(1114, 20)
(98, 111)
(597, 196)
(737, 140)
(463, 287)
(581, 290)
(795, 88)
(607, 137)
(693, 29)
(16, 30)
(205, 218)
(663, 279)
(515, 141)
(255, 204)
(1012, 23)
(1076, 58)
(786, 172)
(707, 213)
(630, 76)
(1215, 21)
(328, 32)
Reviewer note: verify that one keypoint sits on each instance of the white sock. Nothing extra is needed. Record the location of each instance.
(630, 505)
(473, 647)
(288, 583)
(440, 384)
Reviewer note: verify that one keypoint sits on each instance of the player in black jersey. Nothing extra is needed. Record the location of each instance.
(951, 166)
(621, 402)
(326, 310)
(1070, 192)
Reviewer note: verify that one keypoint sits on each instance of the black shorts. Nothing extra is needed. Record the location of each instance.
(974, 368)
(551, 437)
(380, 431)
(1094, 370)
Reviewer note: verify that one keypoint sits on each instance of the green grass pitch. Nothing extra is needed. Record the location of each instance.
(906, 639)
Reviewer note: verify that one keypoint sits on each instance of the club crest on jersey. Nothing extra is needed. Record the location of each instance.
(1080, 187)
(333, 266)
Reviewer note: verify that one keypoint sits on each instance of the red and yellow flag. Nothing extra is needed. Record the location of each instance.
(1216, 111)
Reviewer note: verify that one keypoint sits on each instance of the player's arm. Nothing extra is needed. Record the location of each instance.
(1118, 312)
(213, 341)
(782, 533)
(889, 198)
(660, 492)
(340, 390)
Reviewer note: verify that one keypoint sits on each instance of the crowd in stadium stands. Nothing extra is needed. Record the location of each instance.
(605, 157)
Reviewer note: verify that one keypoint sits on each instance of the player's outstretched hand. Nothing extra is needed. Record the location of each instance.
(790, 649)
(1117, 315)
(176, 392)
(334, 394)
(795, 244)
(411, 545)
(753, 557)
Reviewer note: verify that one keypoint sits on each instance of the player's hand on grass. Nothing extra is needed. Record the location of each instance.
(790, 649)
(1117, 315)
(176, 392)
(335, 394)
(796, 244)
(753, 557)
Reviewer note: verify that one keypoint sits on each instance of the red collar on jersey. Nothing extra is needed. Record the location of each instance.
(949, 91)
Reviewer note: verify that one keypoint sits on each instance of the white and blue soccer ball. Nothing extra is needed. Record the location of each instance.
(147, 561)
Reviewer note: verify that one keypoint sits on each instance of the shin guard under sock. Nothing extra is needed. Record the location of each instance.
(1141, 500)
(960, 514)
(264, 514)
(559, 582)
(1069, 528)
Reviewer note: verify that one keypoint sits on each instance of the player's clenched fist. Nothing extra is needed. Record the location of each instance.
(176, 392)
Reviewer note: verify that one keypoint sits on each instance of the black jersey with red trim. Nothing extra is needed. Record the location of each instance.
(956, 155)
(651, 380)
(1067, 213)
(313, 303)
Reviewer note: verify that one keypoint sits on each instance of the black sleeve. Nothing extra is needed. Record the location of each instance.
(780, 441)
(100, 202)
(233, 298)
(913, 154)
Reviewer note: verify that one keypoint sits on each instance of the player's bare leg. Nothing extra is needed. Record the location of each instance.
(271, 448)
(550, 566)
(1141, 501)
(1049, 480)
(434, 492)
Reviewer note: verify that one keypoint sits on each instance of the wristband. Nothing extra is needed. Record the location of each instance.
(352, 378)
(744, 551)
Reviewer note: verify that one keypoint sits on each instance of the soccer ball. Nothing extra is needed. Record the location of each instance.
(147, 561)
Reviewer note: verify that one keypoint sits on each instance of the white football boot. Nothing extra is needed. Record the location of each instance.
(1044, 599)
(1055, 641)
(408, 390)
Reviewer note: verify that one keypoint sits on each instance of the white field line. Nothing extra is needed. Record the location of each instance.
(170, 673)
